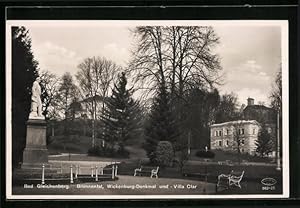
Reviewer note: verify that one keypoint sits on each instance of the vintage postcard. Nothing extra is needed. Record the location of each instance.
(147, 109)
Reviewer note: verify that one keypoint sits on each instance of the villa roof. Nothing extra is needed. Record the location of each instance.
(235, 122)
(259, 107)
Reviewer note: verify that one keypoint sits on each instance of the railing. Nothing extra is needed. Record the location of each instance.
(96, 171)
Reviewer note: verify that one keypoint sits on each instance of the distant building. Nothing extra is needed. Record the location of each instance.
(260, 113)
(83, 109)
(224, 135)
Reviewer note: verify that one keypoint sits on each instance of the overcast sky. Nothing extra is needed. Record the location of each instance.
(250, 53)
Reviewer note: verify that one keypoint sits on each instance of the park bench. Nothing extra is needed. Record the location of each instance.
(232, 179)
(147, 169)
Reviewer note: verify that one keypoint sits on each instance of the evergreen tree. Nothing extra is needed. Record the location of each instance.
(24, 72)
(264, 142)
(161, 125)
(120, 115)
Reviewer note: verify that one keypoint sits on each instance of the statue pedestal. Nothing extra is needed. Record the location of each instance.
(35, 153)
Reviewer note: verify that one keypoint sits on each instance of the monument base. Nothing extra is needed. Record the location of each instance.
(35, 153)
(34, 158)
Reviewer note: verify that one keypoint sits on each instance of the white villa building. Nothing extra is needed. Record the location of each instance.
(224, 135)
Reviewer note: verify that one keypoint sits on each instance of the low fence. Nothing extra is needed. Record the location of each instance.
(75, 171)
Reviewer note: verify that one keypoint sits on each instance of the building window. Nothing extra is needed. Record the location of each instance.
(241, 131)
(220, 143)
(220, 133)
(226, 132)
(242, 142)
(227, 143)
(254, 131)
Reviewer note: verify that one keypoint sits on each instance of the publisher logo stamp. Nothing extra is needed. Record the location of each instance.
(269, 184)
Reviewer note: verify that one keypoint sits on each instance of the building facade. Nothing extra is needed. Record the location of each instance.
(226, 136)
(84, 109)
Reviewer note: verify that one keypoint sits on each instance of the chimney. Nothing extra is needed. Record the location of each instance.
(250, 101)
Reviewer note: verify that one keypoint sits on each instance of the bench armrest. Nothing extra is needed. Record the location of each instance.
(154, 170)
(138, 169)
(224, 176)
(235, 178)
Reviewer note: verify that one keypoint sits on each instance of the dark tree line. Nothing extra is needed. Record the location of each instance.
(24, 72)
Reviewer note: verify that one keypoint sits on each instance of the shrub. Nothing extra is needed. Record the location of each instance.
(205, 154)
(164, 153)
(122, 153)
(93, 151)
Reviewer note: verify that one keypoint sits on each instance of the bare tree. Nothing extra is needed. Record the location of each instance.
(67, 93)
(178, 57)
(50, 85)
(276, 93)
(276, 103)
(192, 61)
(238, 137)
(148, 64)
(95, 77)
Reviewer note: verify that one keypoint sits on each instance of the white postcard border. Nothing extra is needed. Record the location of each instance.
(285, 111)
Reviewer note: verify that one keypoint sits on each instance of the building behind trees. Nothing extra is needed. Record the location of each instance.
(244, 132)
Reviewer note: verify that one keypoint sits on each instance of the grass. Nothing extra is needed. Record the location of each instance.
(72, 143)
(251, 182)
(194, 165)
(223, 156)
(81, 144)
(252, 172)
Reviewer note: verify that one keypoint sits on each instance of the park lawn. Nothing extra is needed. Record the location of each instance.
(79, 145)
(198, 169)
(223, 156)
(251, 182)
(194, 169)
(72, 144)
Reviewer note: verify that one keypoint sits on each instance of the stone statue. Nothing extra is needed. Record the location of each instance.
(36, 103)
